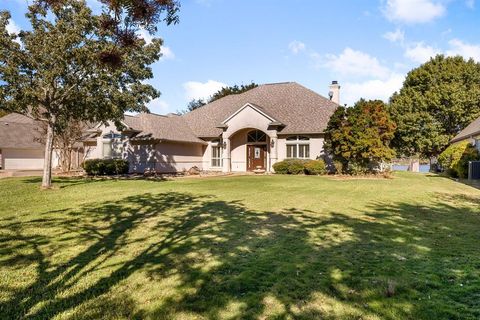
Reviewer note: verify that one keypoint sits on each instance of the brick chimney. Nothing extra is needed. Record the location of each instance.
(334, 92)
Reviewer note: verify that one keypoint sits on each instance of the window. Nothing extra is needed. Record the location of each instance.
(256, 136)
(298, 147)
(216, 156)
(112, 146)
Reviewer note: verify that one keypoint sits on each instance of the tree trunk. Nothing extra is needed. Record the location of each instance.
(47, 165)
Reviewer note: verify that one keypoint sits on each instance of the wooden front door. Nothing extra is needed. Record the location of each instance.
(256, 157)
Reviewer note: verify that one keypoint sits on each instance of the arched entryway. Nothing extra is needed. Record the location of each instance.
(250, 150)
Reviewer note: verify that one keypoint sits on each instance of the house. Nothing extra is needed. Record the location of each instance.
(22, 146)
(471, 133)
(237, 133)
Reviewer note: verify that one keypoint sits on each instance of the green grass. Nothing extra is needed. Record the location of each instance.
(249, 247)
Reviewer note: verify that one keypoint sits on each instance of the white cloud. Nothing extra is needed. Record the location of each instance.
(395, 36)
(296, 47)
(371, 89)
(201, 90)
(413, 11)
(466, 50)
(158, 106)
(420, 52)
(145, 35)
(12, 27)
(353, 63)
(167, 53)
(470, 3)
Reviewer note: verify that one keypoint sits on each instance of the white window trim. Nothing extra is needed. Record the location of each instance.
(219, 158)
(298, 143)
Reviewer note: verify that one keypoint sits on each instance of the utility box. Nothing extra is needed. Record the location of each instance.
(473, 170)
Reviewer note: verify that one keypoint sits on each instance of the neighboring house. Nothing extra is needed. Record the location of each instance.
(471, 133)
(242, 132)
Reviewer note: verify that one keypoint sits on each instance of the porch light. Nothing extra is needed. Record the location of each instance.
(224, 144)
(272, 143)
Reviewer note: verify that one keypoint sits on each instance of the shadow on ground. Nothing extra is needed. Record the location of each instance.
(221, 260)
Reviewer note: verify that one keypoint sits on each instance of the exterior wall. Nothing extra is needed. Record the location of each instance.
(165, 157)
(207, 156)
(316, 146)
(22, 159)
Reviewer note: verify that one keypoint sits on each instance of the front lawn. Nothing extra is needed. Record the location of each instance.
(248, 247)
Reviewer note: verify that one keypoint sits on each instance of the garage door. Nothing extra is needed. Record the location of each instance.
(21, 159)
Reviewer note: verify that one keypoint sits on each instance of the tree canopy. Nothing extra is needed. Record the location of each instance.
(225, 91)
(437, 100)
(360, 135)
(55, 75)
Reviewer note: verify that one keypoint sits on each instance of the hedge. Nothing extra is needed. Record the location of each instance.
(298, 166)
(454, 160)
(105, 167)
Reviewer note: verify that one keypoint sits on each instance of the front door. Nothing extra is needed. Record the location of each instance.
(256, 157)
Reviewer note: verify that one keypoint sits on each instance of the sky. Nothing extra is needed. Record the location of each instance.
(368, 46)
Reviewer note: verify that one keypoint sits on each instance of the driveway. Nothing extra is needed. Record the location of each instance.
(20, 173)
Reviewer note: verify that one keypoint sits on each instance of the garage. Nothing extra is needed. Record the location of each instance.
(20, 143)
(22, 159)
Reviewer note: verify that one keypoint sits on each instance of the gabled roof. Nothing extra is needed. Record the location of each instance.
(20, 132)
(301, 110)
(472, 129)
(168, 128)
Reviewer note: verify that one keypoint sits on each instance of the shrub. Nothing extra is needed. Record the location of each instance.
(454, 160)
(105, 167)
(315, 167)
(357, 169)
(290, 166)
(338, 167)
(281, 167)
(296, 166)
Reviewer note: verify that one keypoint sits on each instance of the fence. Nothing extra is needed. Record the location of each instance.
(474, 170)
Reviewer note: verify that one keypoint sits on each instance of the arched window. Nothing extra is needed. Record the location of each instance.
(298, 147)
(256, 136)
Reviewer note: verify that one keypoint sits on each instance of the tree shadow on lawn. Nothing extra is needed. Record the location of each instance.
(392, 261)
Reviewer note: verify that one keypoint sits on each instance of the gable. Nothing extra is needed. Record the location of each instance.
(248, 109)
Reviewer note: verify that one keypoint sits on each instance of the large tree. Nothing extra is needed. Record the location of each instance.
(125, 17)
(360, 135)
(437, 100)
(67, 68)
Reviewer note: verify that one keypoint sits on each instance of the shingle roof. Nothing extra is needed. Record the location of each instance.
(300, 109)
(471, 130)
(170, 128)
(20, 132)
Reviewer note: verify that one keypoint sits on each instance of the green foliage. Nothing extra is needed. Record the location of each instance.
(454, 160)
(437, 100)
(3, 113)
(290, 166)
(357, 169)
(225, 91)
(360, 134)
(338, 167)
(105, 167)
(70, 69)
(315, 167)
(194, 104)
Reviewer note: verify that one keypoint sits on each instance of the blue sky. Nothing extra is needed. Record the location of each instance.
(367, 45)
